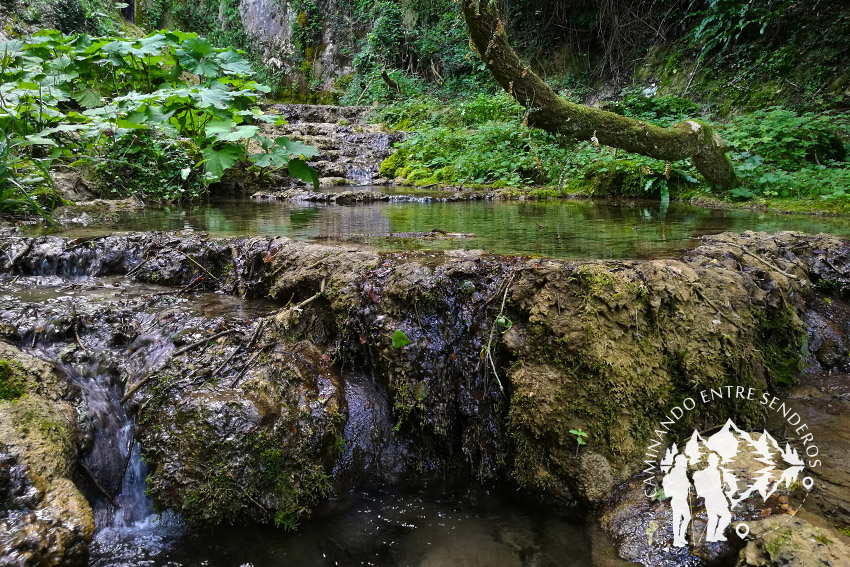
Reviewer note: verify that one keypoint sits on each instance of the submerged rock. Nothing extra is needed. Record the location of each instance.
(792, 542)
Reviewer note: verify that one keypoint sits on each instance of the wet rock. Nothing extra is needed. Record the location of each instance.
(260, 450)
(792, 542)
(639, 528)
(351, 149)
(44, 519)
(504, 356)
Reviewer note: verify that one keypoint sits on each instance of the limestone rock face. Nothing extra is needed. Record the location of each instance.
(269, 23)
(792, 542)
(503, 357)
(44, 519)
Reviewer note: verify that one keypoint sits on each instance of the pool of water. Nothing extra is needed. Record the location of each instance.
(372, 528)
(560, 229)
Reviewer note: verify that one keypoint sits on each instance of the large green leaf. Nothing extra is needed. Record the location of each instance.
(297, 148)
(216, 96)
(197, 47)
(218, 160)
(239, 133)
(304, 172)
(233, 63)
(87, 97)
(151, 45)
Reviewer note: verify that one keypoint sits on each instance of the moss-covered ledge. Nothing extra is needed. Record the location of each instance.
(44, 519)
(506, 354)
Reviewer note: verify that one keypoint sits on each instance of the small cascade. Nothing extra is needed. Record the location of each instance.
(113, 461)
(351, 149)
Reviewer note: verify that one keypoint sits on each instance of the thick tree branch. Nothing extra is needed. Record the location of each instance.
(550, 112)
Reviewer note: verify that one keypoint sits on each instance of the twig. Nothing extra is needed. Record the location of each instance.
(247, 366)
(98, 485)
(126, 462)
(716, 307)
(299, 306)
(135, 387)
(251, 341)
(188, 257)
(203, 341)
(136, 268)
(77, 336)
(766, 263)
(493, 330)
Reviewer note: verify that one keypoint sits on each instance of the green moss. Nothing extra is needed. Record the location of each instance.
(418, 174)
(781, 341)
(12, 384)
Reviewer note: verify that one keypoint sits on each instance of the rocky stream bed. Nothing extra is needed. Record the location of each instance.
(261, 378)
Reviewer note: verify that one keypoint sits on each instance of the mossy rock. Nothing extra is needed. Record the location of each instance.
(39, 441)
(392, 165)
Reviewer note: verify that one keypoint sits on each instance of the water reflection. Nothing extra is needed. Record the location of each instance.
(561, 229)
(383, 529)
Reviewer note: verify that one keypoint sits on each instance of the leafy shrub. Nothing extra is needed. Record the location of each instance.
(662, 110)
(415, 113)
(154, 168)
(67, 94)
(724, 21)
(787, 139)
(25, 186)
(780, 153)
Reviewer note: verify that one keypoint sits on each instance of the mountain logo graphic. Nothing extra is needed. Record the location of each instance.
(725, 469)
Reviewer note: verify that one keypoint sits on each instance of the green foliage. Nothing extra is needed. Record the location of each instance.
(662, 110)
(154, 168)
(77, 95)
(426, 38)
(12, 385)
(579, 435)
(723, 22)
(400, 340)
(481, 140)
(307, 27)
(780, 153)
(25, 184)
(505, 323)
(484, 140)
(787, 139)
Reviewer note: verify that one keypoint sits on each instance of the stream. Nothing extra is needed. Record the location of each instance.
(556, 229)
(376, 524)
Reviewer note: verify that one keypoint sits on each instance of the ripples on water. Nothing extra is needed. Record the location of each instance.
(381, 529)
(559, 229)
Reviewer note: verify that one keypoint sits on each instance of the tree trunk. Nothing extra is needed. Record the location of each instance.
(550, 112)
(392, 85)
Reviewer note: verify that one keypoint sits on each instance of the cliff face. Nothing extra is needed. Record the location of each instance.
(313, 60)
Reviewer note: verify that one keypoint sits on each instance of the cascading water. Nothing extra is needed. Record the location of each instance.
(105, 333)
(351, 150)
(108, 333)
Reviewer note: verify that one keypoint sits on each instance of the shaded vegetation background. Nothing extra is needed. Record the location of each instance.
(774, 75)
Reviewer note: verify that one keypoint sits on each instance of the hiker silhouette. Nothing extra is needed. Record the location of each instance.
(709, 483)
(677, 487)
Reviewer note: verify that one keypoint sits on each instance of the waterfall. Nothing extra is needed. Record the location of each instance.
(351, 149)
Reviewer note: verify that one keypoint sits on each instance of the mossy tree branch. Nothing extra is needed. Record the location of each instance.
(548, 111)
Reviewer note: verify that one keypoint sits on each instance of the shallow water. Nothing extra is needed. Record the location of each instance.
(373, 528)
(559, 229)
